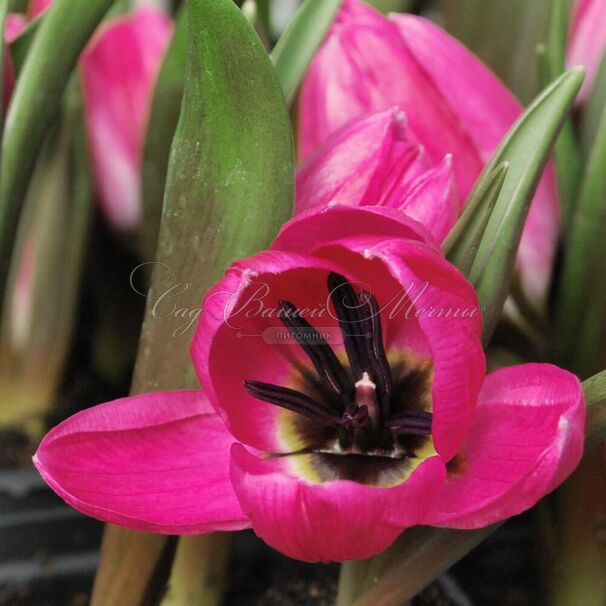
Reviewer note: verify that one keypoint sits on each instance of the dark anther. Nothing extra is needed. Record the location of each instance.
(293, 400)
(354, 326)
(323, 358)
(411, 422)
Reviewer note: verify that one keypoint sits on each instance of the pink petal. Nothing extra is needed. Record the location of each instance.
(323, 224)
(337, 520)
(587, 41)
(157, 462)
(15, 24)
(236, 340)
(409, 279)
(360, 164)
(432, 199)
(37, 7)
(527, 437)
(119, 69)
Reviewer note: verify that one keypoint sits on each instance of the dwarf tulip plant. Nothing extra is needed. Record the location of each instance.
(343, 400)
(341, 355)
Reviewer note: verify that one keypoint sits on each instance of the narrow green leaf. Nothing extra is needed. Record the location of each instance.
(526, 147)
(552, 63)
(163, 121)
(299, 42)
(592, 113)
(3, 15)
(461, 245)
(36, 102)
(21, 44)
(580, 320)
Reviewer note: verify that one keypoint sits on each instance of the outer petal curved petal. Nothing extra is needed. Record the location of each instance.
(319, 225)
(338, 520)
(527, 437)
(157, 462)
(433, 310)
(119, 69)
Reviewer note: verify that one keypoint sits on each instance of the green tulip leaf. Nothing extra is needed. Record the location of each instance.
(526, 148)
(297, 45)
(580, 321)
(462, 243)
(163, 120)
(35, 104)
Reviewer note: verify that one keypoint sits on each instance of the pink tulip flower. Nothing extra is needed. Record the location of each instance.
(587, 41)
(372, 161)
(119, 70)
(453, 105)
(344, 400)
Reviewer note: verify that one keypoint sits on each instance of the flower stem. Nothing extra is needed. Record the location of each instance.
(199, 571)
(581, 566)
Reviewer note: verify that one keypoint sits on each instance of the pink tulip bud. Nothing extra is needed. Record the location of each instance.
(119, 70)
(37, 7)
(453, 104)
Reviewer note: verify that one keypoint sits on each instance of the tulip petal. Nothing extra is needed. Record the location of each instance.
(587, 41)
(360, 164)
(37, 7)
(433, 311)
(527, 437)
(336, 520)
(319, 225)
(432, 199)
(156, 462)
(119, 69)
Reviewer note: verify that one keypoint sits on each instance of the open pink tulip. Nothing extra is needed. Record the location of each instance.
(587, 41)
(372, 161)
(453, 105)
(342, 371)
(119, 70)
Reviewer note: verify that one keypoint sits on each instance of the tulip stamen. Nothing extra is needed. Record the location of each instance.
(412, 422)
(320, 353)
(366, 415)
(294, 401)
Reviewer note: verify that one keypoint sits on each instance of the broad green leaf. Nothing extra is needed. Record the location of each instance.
(299, 42)
(526, 148)
(552, 57)
(163, 121)
(391, 6)
(230, 180)
(580, 319)
(461, 245)
(35, 104)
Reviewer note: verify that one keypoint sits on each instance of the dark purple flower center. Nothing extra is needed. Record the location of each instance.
(365, 404)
